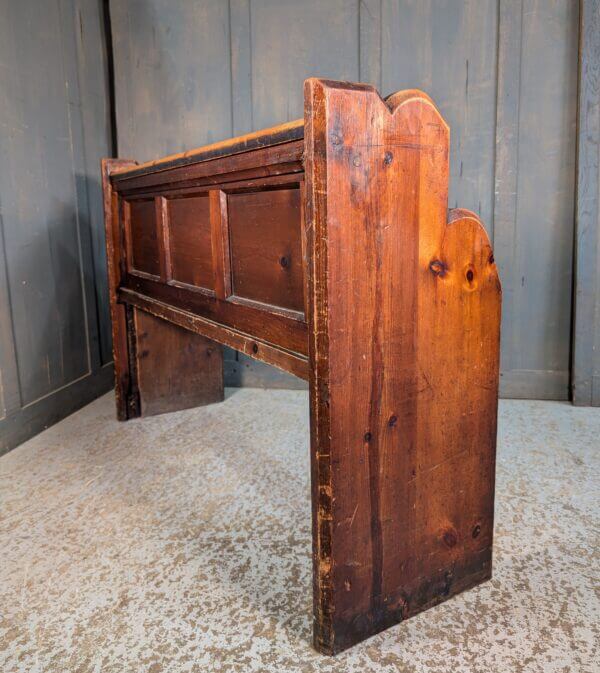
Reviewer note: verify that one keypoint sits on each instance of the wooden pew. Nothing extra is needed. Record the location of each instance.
(324, 247)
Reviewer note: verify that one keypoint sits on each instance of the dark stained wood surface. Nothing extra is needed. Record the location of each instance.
(266, 250)
(283, 133)
(189, 234)
(286, 330)
(225, 243)
(176, 369)
(404, 335)
(250, 345)
(116, 269)
(266, 163)
(142, 239)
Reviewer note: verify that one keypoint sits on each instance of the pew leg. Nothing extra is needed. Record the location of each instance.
(164, 367)
(404, 315)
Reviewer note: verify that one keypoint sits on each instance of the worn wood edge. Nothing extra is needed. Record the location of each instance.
(398, 100)
(276, 135)
(227, 182)
(393, 102)
(113, 263)
(457, 216)
(432, 592)
(317, 318)
(257, 349)
(325, 636)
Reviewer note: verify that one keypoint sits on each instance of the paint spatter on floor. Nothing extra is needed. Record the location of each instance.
(182, 543)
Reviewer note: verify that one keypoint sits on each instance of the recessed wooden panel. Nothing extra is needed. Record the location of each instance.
(190, 241)
(144, 255)
(266, 249)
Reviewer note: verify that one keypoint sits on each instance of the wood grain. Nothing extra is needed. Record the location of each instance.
(116, 269)
(354, 275)
(176, 369)
(250, 345)
(142, 235)
(404, 336)
(283, 133)
(266, 250)
(190, 241)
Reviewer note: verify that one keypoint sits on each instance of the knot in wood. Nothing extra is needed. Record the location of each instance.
(438, 268)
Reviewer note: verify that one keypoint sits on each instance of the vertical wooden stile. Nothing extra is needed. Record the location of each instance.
(220, 243)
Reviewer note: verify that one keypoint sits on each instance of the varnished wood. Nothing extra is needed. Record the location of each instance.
(158, 367)
(283, 133)
(176, 369)
(266, 250)
(267, 161)
(219, 223)
(190, 241)
(288, 361)
(404, 322)
(325, 248)
(285, 329)
(142, 237)
(115, 261)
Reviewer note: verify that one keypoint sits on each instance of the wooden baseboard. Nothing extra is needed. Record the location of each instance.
(534, 384)
(17, 427)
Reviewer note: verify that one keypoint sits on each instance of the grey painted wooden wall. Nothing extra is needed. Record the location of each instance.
(188, 72)
(503, 72)
(586, 332)
(55, 350)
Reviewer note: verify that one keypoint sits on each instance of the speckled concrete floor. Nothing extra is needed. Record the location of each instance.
(182, 543)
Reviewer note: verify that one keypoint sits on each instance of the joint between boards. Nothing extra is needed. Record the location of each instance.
(132, 398)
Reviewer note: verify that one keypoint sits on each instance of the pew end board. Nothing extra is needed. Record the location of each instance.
(325, 247)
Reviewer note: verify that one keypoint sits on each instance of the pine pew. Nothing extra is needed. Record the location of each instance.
(325, 247)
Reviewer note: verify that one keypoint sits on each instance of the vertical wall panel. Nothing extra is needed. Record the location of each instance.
(586, 347)
(39, 206)
(535, 184)
(172, 75)
(50, 353)
(294, 40)
(94, 107)
(448, 49)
